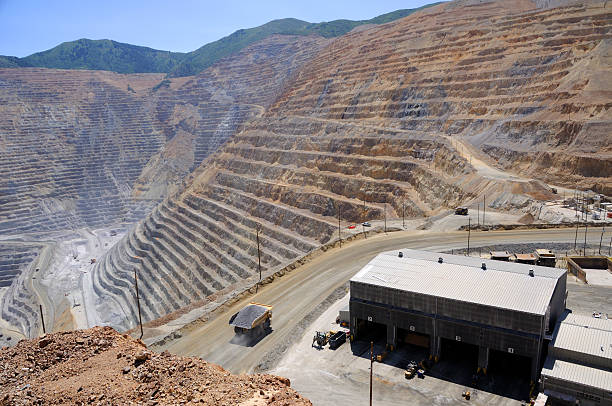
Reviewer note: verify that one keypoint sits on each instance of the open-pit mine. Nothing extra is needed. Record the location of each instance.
(194, 185)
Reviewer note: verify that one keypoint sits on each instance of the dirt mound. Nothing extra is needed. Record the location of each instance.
(527, 219)
(101, 366)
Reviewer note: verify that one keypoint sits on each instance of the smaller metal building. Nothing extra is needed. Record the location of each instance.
(490, 308)
(578, 368)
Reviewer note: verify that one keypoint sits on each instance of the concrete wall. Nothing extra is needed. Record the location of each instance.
(557, 303)
(576, 264)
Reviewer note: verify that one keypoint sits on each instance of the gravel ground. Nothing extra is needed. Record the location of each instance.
(100, 366)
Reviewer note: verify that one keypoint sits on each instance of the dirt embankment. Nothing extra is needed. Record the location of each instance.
(100, 366)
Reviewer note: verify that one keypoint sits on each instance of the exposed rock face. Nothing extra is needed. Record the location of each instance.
(370, 123)
(90, 148)
(531, 88)
(103, 367)
(18, 303)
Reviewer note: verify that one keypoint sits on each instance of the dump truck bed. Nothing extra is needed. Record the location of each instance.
(251, 315)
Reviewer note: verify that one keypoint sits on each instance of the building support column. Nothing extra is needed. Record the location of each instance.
(483, 359)
(434, 347)
(353, 327)
(392, 336)
(534, 369)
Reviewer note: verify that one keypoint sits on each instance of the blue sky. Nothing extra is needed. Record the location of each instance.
(28, 26)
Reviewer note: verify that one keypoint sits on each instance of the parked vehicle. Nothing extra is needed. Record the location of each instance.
(410, 370)
(461, 211)
(366, 224)
(337, 339)
(320, 338)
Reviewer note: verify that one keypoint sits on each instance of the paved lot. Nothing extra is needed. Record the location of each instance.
(329, 377)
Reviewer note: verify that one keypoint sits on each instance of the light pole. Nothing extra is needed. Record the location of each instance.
(138, 303)
(469, 230)
(339, 235)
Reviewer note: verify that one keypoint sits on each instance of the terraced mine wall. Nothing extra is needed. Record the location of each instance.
(92, 148)
(19, 303)
(530, 89)
(367, 126)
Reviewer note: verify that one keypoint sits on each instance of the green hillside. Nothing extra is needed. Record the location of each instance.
(125, 58)
(105, 55)
(207, 55)
(11, 62)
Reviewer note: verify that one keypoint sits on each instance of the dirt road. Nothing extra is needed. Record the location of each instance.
(296, 294)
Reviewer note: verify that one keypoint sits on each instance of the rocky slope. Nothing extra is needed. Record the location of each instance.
(100, 366)
(529, 87)
(380, 121)
(92, 148)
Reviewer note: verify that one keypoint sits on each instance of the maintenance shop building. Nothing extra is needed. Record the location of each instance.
(440, 301)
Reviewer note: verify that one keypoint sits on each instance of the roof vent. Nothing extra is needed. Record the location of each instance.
(531, 273)
(440, 260)
(484, 266)
(401, 254)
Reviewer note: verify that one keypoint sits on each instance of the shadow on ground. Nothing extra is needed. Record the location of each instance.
(459, 367)
(247, 340)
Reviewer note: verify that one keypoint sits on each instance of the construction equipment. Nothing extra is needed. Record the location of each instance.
(410, 370)
(461, 211)
(337, 339)
(320, 338)
(253, 319)
(381, 357)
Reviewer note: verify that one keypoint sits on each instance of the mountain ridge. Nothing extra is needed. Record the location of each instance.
(110, 55)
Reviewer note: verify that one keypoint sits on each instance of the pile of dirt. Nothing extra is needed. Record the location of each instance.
(527, 219)
(102, 367)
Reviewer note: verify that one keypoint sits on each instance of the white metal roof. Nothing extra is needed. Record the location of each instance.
(570, 372)
(467, 283)
(543, 271)
(585, 334)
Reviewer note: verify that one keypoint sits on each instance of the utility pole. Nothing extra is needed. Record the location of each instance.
(385, 209)
(484, 209)
(258, 255)
(576, 237)
(339, 235)
(403, 214)
(478, 213)
(586, 225)
(363, 220)
(138, 303)
(603, 230)
(371, 366)
(42, 319)
(576, 200)
(469, 230)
